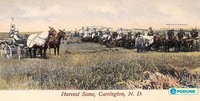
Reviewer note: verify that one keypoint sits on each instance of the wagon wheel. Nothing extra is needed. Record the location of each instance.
(7, 51)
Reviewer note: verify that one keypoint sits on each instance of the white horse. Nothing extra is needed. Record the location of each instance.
(38, 41)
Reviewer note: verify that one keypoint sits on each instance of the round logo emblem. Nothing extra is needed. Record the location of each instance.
(172, 91)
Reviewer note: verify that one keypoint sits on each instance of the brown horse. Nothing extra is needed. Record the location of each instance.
(180, 37)
(157, 41)
(111, 42)
(185, 42)
(171, 41)
(55, 40)
(129, 41)
(163, 41)
(191, 42)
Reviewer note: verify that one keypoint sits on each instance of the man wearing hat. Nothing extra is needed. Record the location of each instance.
(139, 42)
(12, 28)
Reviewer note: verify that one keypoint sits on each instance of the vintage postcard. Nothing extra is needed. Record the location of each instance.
(99, 49)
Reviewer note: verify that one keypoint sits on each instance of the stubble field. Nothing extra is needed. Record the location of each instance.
(92, 66)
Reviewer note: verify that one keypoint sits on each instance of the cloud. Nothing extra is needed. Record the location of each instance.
(37, 15)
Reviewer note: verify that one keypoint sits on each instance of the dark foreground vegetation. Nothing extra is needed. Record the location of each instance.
(91, 66)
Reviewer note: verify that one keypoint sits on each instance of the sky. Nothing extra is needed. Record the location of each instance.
(37, 15)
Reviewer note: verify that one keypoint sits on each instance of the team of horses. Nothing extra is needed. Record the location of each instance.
(179, 41)
(44, 41)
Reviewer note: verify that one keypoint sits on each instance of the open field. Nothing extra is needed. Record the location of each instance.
(4, 35)
(93, 66)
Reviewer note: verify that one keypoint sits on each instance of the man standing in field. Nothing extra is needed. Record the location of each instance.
(12, 28)
(12, 24)
(13, 31)
(82, 32)
(139, 43)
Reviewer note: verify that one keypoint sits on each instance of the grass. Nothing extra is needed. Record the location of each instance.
(4, 35)
(92, 66)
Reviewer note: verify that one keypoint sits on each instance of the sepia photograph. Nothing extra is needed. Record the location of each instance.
(100, 49)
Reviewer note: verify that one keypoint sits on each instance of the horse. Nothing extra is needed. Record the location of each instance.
(87, 36)
(196, 44)
(97, 36)
(194, 33)
(169, 41)
(157, 41)
(111, 40)
(108, 38)
(118, 38)
(180, 37)
(195, 40)
(55, 40)
(40, 41)
(190, 41)
(128, 40)
(105, 37)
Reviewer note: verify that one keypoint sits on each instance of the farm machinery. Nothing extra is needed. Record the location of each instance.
(9, 49)
(15, 44)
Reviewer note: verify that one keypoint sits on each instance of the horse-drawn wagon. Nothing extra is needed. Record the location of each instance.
(15, 44)
(11, 46)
